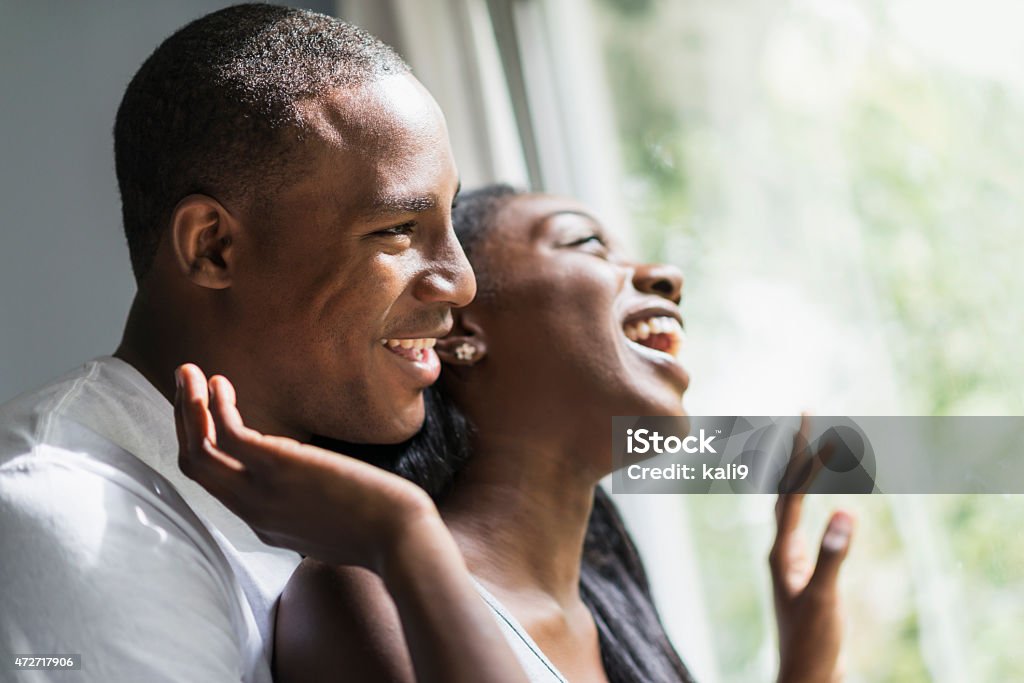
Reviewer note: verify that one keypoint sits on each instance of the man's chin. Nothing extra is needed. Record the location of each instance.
(373, 429)
(392, 427)
(382, 447)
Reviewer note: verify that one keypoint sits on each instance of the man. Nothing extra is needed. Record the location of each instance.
(286, 188)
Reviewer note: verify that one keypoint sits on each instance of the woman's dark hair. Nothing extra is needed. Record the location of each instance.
(613, 583)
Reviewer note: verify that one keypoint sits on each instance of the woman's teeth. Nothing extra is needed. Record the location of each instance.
(661, 333)
(410, 349)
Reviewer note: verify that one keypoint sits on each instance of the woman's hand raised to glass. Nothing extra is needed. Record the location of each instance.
(807, 605)
(313, 501)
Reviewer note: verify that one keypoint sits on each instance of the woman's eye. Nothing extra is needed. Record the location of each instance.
(594, 239)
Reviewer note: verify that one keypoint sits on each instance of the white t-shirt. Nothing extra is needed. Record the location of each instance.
(109, 552)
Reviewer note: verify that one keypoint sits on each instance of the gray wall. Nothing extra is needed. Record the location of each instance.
(65, 280)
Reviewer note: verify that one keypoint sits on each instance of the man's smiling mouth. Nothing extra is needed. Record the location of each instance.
(410, 349)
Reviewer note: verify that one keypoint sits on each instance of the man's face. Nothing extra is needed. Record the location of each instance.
(350, 261)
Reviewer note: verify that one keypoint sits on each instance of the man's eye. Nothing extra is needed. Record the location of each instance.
(404, 229)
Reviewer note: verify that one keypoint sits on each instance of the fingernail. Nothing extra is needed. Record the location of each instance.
(177, 378)
(838, 533)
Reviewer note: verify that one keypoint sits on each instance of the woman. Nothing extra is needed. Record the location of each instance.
(564, 333)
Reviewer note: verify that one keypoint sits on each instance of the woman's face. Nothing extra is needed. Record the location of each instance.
(573, 329)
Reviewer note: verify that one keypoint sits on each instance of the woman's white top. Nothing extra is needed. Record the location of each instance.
(538, 668)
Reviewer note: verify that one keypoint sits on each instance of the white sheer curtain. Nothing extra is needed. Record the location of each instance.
(451, 47)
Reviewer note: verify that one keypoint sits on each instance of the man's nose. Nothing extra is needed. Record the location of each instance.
(449, 278)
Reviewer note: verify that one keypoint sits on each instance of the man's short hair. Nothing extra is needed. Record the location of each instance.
(214, 109)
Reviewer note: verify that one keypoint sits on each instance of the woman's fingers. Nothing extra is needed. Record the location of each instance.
(787, 559)
(189, 413)
(191, 383)
(232, 434)
(788, 506)
(796, 473)
(224, 478)
(835, 544)
(198, 455)
(179, 418)
(197, 402)
(803, 466)
(246, 446)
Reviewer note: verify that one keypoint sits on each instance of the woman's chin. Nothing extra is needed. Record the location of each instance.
(650, 409)
(664, 402)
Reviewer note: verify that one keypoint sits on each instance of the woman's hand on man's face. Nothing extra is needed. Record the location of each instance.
(313, 501)
(807, 605)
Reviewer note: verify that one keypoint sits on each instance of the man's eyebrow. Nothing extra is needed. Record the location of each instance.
(390, 204)
(401, 204)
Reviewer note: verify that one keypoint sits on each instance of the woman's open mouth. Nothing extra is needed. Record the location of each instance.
(657, 336)
(657, 332)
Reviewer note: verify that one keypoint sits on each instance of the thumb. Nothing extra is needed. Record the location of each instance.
(835, 544)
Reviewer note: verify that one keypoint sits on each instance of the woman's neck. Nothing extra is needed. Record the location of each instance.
(520, 513)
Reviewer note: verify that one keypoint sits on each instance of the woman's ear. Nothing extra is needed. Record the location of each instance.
(464, 345)
(203, 233)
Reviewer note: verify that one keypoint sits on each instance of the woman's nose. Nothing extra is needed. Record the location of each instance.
(660, 279)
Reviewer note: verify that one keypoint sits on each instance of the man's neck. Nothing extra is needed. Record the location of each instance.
(156, 341)
(147, 343)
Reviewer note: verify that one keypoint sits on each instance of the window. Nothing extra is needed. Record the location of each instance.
(842, 183)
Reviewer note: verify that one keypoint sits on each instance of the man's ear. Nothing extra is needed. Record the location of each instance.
(203, 234)
(464, 345)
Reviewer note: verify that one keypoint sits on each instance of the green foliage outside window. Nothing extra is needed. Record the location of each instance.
(868, 150)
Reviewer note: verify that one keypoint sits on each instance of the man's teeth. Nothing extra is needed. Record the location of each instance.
(415, 344)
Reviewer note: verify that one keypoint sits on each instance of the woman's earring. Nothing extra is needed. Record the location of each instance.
(465, 351)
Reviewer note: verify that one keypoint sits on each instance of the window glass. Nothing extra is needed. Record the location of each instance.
(842, 182)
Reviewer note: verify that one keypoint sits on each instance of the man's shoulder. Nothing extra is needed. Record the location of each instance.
(100, 545)
(94, 561)
(106, 425)
(26, 419)
(90, 431)
(104, 397)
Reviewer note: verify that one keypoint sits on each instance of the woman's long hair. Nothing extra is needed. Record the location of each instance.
(613, 583)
